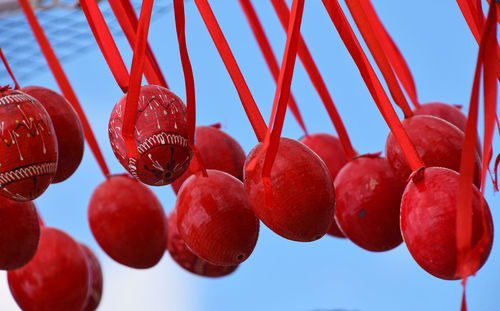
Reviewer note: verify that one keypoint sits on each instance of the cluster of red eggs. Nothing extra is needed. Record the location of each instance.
(42, 143)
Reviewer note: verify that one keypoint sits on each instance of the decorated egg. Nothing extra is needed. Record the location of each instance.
(160, 136)
(28, 147)
(68, 129)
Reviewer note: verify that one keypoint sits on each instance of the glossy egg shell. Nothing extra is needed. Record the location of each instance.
(57, 279)
(186, 258)
(219, 151)
(19, 233)
(329, 149)
(128, 222)
(160, 135)
(368, 200)
(303, 197)
(428, 221)
(28, 147)
(95, 275)
(68, 129)
(215, 219)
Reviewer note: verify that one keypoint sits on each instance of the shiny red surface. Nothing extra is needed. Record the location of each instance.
(303, 197)
(19, 233)
(215, 219)
(368, 199)
(428, 221)
(128, 222)
(161, 130)
(57, 279)
(68, 129)
(329, 149)
(438, 143)
(186, 258)
(219, 152)
(95, 275)
(27, 140)
(444, 111)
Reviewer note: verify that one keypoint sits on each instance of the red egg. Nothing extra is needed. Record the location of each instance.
(128, 222)
(160, 135)
(444, 111)
(219, 151)
(438, 143)
(367, 206)
(186, 258)
(215, 219)
(28, 147)
(19, 233)
(95, 275)
(429, 221)
(329, 149)
(303, 197)
(57, 279)
(68, 129)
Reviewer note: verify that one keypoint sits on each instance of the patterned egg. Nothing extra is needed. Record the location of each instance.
(28, 146)
(160, 135)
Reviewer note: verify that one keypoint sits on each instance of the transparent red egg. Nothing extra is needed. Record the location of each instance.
(437, 142)
(160, 136)
(19, 233)
(429, 222)
(186, 258)
(68, 129)
(303, 197)
(219, 151)
(329, 149)
(367, 206)
(95, 275)
(56, 279)
(128, 222)
(28, 147)
(215, 219)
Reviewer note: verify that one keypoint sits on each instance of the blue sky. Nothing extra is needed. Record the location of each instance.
(280, 275)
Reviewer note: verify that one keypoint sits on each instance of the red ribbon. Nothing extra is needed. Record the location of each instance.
(63, 82)
(188, 80)
(373, 84)
(11, 74)
(268, 54)
(312, 70)
(251, 109)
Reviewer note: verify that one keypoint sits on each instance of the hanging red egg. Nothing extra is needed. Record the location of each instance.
(215, 219)
(95, 274)
(186, 258)
(444, 111)
(219, 151)
(303, 197)
(57, 279)
(438, 143)
(28, 147)
(160, 135)
(68, 129)
(128, 222)
(329, 149)
(429, 222)
(19, 233)
(367, 206)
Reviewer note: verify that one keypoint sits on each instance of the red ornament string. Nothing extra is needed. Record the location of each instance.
(128, 21)
(106, 43)
(189, 82)
(372, 41)
(63, 82)
(267, 52)
(312, 70)
(398, 63)
(136, 72)
(373, 84)
(11, 74)
(468, 260)
(247, 100)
